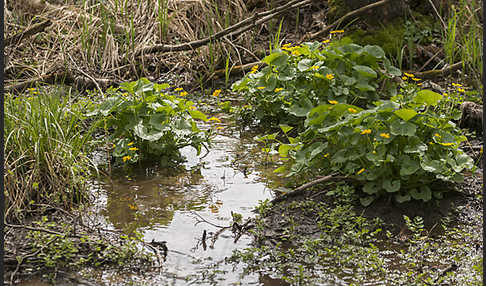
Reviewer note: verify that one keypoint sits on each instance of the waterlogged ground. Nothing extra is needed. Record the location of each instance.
(178, 206)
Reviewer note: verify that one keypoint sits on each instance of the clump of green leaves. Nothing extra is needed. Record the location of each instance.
(300, 77)
(399, 147)
(148, 124)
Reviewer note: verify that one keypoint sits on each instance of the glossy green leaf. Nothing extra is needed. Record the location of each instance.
(285, 128)
(406, 113)
(278, 59)
(408, 166)
(399, 127)
(365, 71)
(428, 97)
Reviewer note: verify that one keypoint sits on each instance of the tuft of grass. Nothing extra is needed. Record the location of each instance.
(46, 147)
(462, 38)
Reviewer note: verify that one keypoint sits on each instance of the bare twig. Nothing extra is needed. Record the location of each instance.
(206, 221)
(435, 73)
(231, 31)
(300, 189)
(444, 26)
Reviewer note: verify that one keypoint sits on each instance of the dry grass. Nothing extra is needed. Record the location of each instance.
(102, 40)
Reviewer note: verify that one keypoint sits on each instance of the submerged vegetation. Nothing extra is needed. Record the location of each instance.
(363, 120)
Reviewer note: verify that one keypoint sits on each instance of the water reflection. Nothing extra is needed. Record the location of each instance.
(170, 205)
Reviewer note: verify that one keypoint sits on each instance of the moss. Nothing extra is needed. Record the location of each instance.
(390, 37)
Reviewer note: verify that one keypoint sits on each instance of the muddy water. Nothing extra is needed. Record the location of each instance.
(178, 206)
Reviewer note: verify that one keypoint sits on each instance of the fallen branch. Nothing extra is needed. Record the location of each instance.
(231, 31)
(345, 17)
(41, 229)
(34, 29)
(300, 189)
(436, 73)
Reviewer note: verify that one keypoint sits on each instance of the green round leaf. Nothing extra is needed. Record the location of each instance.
(408, 166)
(424, 193)
(391, 186)
(365, 71)
(405, 113)
(399, 127)
(401, 198)
(428, 97)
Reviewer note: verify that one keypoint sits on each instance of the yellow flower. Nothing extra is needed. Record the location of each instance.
(329, 76)
(419, 84)
(31, 89)
(132, 207)
(130, 144)
(456, 84)
(286, 46)
(217, 92)
(325, 41)
(296, 53)
(254, 69)
(404, 77)
(385, 135)
(178, 89)
(352, 110)
(416, 79)
(133, 149)
(220, 127)
(408, 74)
(366, 131)
(113, 146)
(337, 31)
(333, 102)
(314, 67)
(184, 93)
(192, 107)
(126, 158)
(360, 171)
(445, 94)
(278, 89)
(446, 144)
(260, 87)
(459, 89)
(326, 155)
(437, 135)
(214, 119)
